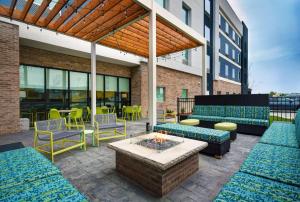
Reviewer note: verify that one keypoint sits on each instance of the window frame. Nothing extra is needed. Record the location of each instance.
(164, 94)
(188, 13)
(226, 70)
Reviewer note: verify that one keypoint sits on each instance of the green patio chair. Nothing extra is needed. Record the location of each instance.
(139, 112)
(54, 114)
(88, 113)
(76, 116)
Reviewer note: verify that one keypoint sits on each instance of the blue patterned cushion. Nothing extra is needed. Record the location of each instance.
(247, 121)
(198, 133)
(206, 118)
(201, 110)
(255, 112)
(217, 110)
(274, 162)
(282, 134)
(235, 111)
(24, 165)
(245, 187)
(52, 188)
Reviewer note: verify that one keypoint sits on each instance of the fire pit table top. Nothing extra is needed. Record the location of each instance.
(160, 159)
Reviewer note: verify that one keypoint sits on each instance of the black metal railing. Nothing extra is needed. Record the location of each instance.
(284, 108)
(184, 107)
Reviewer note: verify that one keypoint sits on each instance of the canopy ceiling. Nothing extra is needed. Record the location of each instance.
(119, 24)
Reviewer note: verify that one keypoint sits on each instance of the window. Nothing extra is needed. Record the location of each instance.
(184, 93)
(111, 89)
(233, 73)
(57, 88)
(239, 57)
(227, 93)
(226, 70)
(160, 94)
(227, 27)
(207, 6)
(32, 83)
(124, 89)
(99, 89)
(219, 92)
(186, 57)
(207, 62)
(186, 14)
(233, 35)
(239, 75)
(226, 49)
(207, 33)
(238, 40)
(233, 54)
(78, 88)
(162, 3)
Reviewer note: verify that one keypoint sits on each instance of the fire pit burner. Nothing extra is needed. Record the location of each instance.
(160, 145)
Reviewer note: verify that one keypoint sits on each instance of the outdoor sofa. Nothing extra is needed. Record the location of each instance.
(26, 175)
(218, 141)
(249, 119)
(271, 171)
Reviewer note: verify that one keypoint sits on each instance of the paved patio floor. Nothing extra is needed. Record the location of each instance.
(93, 172)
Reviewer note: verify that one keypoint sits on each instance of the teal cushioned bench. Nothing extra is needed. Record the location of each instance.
(246, 187)
(52, 188)
(207, 118)
(282, 134)
(297, 125)
(274, 162)
(198, 133)
(24, 165)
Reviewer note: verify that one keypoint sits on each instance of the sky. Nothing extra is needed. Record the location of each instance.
(274, 43)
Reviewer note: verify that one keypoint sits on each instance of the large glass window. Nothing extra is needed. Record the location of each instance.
(160, 94)
(57, 88)
(111, 89)
(184, 93)
(186, 14)
(124, 89)
(78, 89)
(207, 33)
(186, 57)
(32, 83)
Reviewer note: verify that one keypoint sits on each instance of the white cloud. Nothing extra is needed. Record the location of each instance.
(238, 9)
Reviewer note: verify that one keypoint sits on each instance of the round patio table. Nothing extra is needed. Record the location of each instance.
(190, 122)
(227, 126)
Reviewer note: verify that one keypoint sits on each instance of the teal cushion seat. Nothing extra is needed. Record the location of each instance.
(206, 118)
(198, 133)
(256, 112)
(22, 166)
(235, 111)
(297, 125)
(274, 162)
(52, 188)
(282, 134)
(245, 187)
(247, 121)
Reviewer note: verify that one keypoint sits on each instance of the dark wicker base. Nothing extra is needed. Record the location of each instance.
(152, 179)
(217, 150)
(232, 135)
(241, 128)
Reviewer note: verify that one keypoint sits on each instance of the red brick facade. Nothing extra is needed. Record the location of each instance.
(9, 78)
(226, 88)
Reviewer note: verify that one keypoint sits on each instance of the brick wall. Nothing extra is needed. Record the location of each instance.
(225, 87)
(9, 78)
(173, 81)
(34, 56)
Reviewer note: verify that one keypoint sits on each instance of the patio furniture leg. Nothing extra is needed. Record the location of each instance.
(84, 141)
(51, 148)
(35, 140)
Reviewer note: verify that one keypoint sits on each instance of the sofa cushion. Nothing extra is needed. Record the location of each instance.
(206, 118)
(256, 112)
(245, 187)
(209, 110)
(201, 110)
(198, 133)
(274, 162)
(282, 134)
(235, 111)
(217, 110)
(22, 166)
(247, 121)
(52, 188)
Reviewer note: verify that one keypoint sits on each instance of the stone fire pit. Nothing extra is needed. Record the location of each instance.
(157, 169)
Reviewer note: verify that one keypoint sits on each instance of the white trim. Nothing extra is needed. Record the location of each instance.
(229, 81)
(229, 60)
(232, 42)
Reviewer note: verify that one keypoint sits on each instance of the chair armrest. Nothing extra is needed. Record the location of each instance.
(74, 126)
(44, 132)
(121, 120)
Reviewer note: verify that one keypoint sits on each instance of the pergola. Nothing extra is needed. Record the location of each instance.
(140, 27)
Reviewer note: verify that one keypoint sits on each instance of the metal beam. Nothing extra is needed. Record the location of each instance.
(152, 66)
(93, 81)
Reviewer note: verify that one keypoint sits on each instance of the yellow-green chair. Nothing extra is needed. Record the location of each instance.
(88, 113)
(50, 136)
(98, 110)
(130, 112)
(105, 110)
(54, 114)
(76, 116)
(139, 112)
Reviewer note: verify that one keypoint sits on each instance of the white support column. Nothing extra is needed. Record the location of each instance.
(204, 73)
(152, 66)
(93, 81)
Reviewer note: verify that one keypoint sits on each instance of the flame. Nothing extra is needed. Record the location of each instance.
(160, 138)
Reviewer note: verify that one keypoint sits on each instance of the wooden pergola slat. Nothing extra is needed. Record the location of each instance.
(40, 11)
(57, 8)
(12, 8)
(26, 9)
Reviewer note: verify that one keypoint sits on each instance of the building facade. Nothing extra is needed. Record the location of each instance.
(53, 70)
